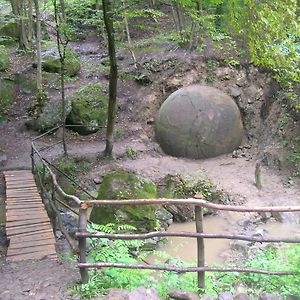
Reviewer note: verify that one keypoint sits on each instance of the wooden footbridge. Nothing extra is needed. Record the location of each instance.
(28, 227)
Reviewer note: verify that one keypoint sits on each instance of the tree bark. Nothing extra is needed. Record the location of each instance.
(112, 106)
(38, 47)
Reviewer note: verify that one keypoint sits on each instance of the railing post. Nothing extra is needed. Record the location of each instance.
(200, 246)
(82, 244)
(32, 159)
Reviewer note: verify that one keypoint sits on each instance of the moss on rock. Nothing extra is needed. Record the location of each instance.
(4, 59)
(10, 28)
(51, 62)
(124, 185)
(89, 109)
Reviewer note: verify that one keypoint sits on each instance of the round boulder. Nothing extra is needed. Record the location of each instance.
(198, 122)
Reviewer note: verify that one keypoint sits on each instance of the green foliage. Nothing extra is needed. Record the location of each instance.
(72, 166)
(131, 153)
(271, 31)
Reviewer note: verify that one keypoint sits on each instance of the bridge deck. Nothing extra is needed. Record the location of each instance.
(27, 224)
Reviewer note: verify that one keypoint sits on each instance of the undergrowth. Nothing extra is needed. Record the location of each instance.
(118, 251)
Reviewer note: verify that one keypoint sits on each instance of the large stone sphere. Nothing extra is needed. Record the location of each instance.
(198, 122)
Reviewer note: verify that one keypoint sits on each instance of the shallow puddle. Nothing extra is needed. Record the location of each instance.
(186, 248)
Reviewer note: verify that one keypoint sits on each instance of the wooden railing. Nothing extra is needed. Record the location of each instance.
(82, 233)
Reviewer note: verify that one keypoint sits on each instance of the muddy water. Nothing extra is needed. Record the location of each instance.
(186, 248)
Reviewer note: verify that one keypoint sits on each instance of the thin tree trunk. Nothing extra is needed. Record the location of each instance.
(63, 9)
(30, 22)
(38, 47)
(130, 46)
(112, 106)
(62, 55)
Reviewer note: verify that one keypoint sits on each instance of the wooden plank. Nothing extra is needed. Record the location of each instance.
(35, 256)
(12, 201)
(11, 218)
(23, 239)
(24, 205)
(23, 211)
(26, 222)
(31, 243)
(29, 228)
(20, 197)
(44, 248)
(34, 233)
(38, 200)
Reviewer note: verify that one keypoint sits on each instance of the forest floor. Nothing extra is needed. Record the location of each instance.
(50, 280)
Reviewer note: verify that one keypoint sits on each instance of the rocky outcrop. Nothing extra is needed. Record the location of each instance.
(51, 62)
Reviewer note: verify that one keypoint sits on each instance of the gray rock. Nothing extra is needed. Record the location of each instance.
(286, 217)
(267, 296)
(198, 122)
(241, 246)
(115, 294)
(235, 91)
(3, 160)
(182, 295)
(142, 293)
(225, 296)
(242, 81)
(51, 115)
(242, 296)
(98, 180)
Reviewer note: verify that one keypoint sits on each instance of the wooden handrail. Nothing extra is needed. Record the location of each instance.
(191, 201)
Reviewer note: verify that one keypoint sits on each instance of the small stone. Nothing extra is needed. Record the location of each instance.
(241, 246)
(234, 91)
(98, 180)
(242, 81)
(225, 296)
(150, 121)
(182, 295)
(242, 296)
(58, 234)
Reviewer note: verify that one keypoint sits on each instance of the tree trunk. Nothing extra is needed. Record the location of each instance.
(18, 8)
(112, 106)
(30, 22)
(63, 9)
(38, 47)
(130, 46)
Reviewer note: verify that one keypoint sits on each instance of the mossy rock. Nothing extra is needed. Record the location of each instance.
(51, 115)
(7, 93)
(89, 109)
(10, 28)
(7, 41)
(4, 59)
(51, 62)
(124, 185)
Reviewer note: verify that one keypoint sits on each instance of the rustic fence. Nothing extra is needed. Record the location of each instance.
(81, 207)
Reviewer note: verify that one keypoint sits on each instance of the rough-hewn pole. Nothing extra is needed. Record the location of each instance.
(82, 244)
(200, 246)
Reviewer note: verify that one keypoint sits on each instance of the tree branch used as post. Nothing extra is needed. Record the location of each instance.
(200, 246)
(82, 244)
